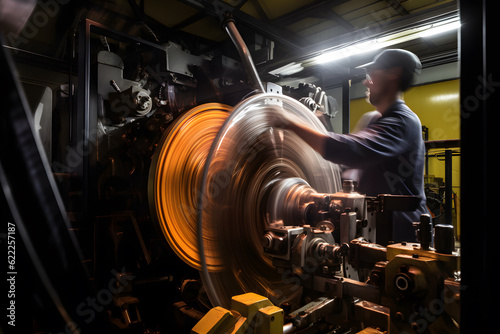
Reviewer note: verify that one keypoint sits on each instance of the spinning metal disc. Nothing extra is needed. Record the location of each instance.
(242, 193)
(175, 179)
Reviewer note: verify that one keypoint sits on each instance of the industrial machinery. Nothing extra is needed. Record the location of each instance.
(317, 259)
(197, 211)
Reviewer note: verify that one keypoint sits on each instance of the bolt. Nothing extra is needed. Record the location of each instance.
(415, 326)
(399, 316)
(267, 240)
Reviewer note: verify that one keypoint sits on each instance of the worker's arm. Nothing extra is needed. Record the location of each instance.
(388, 139)
(313, 138)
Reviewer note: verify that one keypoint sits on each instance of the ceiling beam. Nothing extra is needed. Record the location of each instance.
(396, 5)
(138, 12)
(440, 12)
(190, 20)
(340, 20)
(262, 14)
(312, 9)
(278, 35)
(423, 17)
(240, 4)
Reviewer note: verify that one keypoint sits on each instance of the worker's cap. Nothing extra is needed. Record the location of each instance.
(395, 58)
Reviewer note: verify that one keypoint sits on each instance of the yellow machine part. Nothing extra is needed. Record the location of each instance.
(176, 174)
(250, 313)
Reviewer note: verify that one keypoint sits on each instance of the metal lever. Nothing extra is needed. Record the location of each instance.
(244, 52)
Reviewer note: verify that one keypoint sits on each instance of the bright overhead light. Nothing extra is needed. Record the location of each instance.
(288, 69)
(348, 51)
(441, 28)
(330, 55)
(387, 41)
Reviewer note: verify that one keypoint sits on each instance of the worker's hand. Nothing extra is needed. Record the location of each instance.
(277, 117)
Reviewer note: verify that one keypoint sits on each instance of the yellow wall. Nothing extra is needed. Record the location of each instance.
(438, 107)
(357, 108)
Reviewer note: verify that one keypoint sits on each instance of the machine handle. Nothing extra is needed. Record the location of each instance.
(244, 52)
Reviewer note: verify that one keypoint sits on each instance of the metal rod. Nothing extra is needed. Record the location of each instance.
(346, 113)
(244, 52)
(448, 186)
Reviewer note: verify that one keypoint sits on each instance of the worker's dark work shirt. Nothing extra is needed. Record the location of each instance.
(390, 153)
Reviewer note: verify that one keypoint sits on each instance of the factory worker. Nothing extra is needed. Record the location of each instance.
(365, 120)
(390, 150)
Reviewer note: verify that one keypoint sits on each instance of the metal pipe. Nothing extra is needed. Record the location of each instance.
(448, 184)
(346, 112)
(244, 52)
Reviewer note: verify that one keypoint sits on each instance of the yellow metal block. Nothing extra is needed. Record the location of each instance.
(250, 313)
(240, 327)
(217, 320)
(248, 304)
(272, 320)
(450, 261)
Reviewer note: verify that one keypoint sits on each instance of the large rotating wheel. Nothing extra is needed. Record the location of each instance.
(175, 179)
(242, 190)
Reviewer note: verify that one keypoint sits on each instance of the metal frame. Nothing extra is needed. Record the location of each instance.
(448, 170)
(479, 101)
(86, 117)
(49, 258)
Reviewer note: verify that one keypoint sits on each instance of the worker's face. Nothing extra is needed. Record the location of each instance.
(377, 81)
